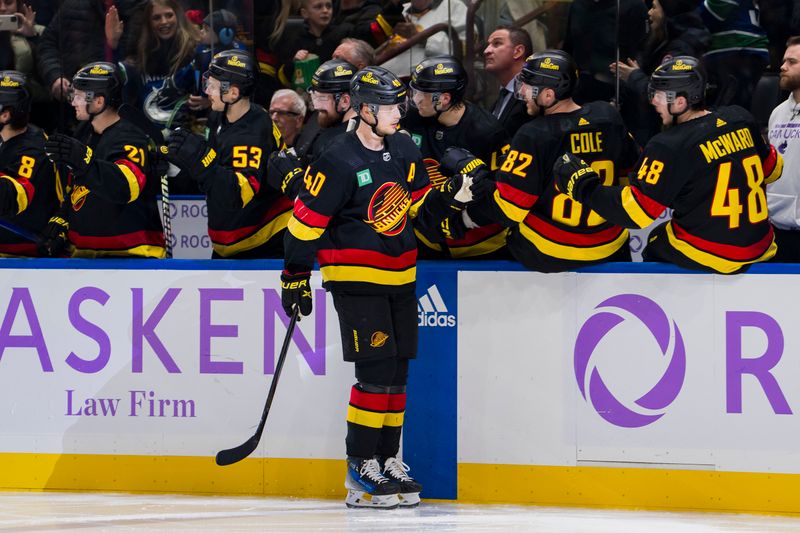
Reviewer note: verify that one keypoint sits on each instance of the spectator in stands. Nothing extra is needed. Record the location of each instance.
(675, 30)
(74, 38)
(166, 45)
(271, 20)
(288, 111)
(319, 36)
(217, 34)
(17, 47)
(739, 50)
(590, 39)
(784, 124)
(504, 57)
(368, 20)
(420, 15)
(356, 52)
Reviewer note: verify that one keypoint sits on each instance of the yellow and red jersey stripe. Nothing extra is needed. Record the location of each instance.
(724, 258)
(367, 266)
(569, 245)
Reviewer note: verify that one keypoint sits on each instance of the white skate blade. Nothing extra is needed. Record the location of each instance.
(409, 499)
(361, 499)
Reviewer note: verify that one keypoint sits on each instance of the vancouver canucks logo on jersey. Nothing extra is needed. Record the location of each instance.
(387, 209)
(435, 176)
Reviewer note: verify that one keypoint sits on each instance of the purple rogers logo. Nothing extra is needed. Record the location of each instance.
(650, 406)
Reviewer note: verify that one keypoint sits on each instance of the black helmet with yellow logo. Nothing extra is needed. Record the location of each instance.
(100, 78)
(14, 91)
(440, 74)
(553, 69)
(333, 77)
(376, 86)
(679, 76)
(234, 67)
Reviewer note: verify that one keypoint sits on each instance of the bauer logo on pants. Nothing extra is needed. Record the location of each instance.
(432, 310)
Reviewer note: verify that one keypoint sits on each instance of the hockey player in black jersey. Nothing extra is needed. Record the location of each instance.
(438, 119)
(246, 216)
(28, 188)
(111, 207)
(363, 195)
(330, 99)
(711, 167)
(549, 231)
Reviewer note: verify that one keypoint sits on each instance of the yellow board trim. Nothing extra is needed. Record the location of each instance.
(368, 275)
(133, 183)
(719, 264)
(517, 214)
(640, 488)
(22, 198)
(561, 251)
(634, 210)
(318, 478)
(365, 418)
(256, 239)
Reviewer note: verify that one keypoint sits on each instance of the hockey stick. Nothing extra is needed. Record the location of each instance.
(234, 455)
(132, 114)
(19, 230)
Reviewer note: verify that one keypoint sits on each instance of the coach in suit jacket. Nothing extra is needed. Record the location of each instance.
(503, 57)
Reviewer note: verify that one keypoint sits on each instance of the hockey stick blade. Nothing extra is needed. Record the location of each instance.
(234, 455)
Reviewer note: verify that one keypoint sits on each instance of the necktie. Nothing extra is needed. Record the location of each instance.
(501, 98)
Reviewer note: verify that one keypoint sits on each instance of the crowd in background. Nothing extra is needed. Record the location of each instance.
(165, 46)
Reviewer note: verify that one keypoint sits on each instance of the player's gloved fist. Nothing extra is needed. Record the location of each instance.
(64, 149)
(191, 153)
(296, 291)
(284, 170)
(460, 161)
(574, 177)
(53, 239)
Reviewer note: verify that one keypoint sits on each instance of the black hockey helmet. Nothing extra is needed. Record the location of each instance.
(376, 86)
(233, 67)
(14, 92)
(440, 74)
(100, 78)
(333, 77)
(553, 69)
(679, 76)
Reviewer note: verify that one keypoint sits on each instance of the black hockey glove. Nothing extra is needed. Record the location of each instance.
(64, 149)
(574, 177)
(284, 172)
(53, 239)
(460, 161)
(296, 291)
(191, 153)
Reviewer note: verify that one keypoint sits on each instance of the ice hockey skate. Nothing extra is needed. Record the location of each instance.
(397, 471)
(368, 487)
